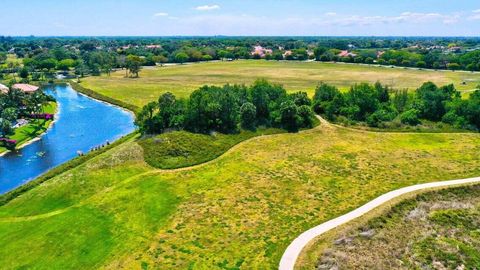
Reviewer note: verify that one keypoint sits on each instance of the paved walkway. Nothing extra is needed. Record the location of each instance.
(295, 248)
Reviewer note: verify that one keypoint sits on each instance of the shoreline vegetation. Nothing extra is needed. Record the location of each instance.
(77, 161)
(33, 131)
(93, 94)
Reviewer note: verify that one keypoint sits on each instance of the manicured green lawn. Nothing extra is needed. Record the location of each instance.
(295, 76)
(33, 129)
(238, 211)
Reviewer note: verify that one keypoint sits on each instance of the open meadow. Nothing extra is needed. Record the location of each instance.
(239, 211)
(181, 80)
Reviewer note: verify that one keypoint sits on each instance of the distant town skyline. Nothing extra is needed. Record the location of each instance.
(240, 18)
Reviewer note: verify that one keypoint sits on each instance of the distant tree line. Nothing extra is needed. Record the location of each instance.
(227, 109)
(377, 105)
(41, 57)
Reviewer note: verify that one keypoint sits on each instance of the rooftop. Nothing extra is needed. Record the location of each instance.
(3, 88)
(27, 88)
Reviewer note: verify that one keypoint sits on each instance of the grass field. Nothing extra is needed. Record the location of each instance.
(239, 211)
(295, 76)
(33, 129)
(436, 230)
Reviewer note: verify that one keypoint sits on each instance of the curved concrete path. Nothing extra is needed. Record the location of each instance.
(293, 251)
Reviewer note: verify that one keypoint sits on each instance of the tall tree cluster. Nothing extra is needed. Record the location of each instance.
(377, 104)
(227, 109)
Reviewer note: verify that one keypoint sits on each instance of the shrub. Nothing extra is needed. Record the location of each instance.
(306, 116)
(384, 114)
(410, 117)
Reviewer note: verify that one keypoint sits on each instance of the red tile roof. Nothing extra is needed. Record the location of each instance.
(27, 88)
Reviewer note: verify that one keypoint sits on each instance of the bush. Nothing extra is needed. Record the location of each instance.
(384, 114)
(306, 116)
(410, 117)
(455, 120)
(207, 58)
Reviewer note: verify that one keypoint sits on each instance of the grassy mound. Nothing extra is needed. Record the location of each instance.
(182, 149)
(436, 230)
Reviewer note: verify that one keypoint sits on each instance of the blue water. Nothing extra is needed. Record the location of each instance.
(82, 123)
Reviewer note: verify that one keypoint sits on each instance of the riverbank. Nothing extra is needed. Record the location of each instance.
(83, 124)
(34, 130)
(95, 95)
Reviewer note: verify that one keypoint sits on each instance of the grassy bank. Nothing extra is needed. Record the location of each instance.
(33, 129)
(5, 198)
(238, 211)
(295, 76)
(99, 96)
(435, 230)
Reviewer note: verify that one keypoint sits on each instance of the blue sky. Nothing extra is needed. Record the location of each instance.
(240, 17)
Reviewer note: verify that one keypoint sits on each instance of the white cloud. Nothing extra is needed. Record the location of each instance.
(207, 7)
(330, 14)
(406, 23)
(405, 17)
(475, 16)
(160, 14)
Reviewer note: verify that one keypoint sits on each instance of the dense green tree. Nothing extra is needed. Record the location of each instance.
(431, 100)
(170, 111)
(212, 108)
(5, 128)
(160, 59)
(23, 73)
(147, 119)
(266, 97)
(306, 116)
(181, 57)
(66, 64)
(383, 93)
(300, 98)
(3, 57)
(248, 115)
(363, 100)
(410, 117)
(290, 119)
(134, 64)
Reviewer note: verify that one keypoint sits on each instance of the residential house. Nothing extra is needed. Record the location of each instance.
(3, 88)
(261, 51)
(346, 54)
(26, 88)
